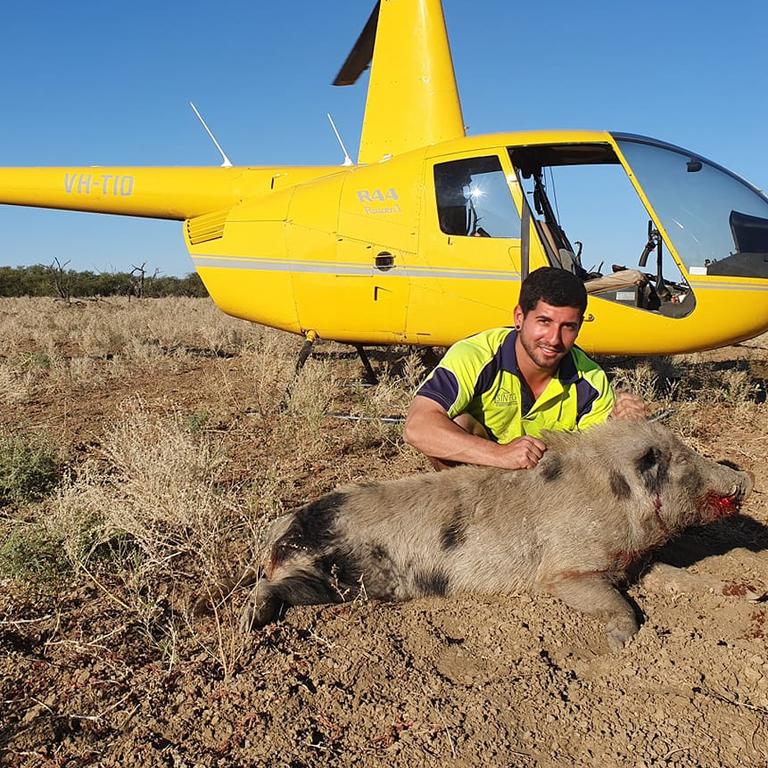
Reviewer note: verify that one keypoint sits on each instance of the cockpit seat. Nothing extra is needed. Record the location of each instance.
(453, 219)
(625, 279)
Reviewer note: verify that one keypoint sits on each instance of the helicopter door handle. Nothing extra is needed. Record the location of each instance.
(384, 261)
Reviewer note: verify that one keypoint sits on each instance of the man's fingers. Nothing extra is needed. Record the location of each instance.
(534, 455)
(534, 442)
(525, 452)
(535, 448)
(531, 453)
(628, 399)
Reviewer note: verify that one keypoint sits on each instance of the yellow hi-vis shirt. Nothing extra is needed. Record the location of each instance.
(480, 376)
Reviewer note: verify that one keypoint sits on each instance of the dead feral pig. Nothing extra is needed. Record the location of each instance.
(570, 527)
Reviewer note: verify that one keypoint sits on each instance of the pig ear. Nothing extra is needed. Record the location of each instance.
(653, 468)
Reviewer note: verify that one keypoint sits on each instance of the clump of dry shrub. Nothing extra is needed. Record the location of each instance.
(154, 485)
(672, 382)
(270, 364)
(646, 383)
(737, 389)
(16, 383)
(148, 519)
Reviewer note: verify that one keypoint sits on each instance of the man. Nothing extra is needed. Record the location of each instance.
(493, 393)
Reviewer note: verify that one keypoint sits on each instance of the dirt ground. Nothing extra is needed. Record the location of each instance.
(91, 675)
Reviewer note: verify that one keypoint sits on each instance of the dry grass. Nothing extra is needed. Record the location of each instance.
(159, 510)
(116, 325)
(16, 384)
(51, 347)
(153, 481)
(147, 520)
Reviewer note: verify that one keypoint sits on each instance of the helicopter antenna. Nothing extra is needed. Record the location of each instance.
(227, 162)
(347, 158)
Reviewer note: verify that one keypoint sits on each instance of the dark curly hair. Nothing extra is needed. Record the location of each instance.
(554, 286)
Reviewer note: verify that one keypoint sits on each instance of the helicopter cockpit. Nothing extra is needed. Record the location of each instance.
(717, 221)
(712, 222)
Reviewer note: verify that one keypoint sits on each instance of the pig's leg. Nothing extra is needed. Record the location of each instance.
(595, 595)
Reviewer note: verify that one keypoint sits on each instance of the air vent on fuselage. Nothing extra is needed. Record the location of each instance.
(209, 226)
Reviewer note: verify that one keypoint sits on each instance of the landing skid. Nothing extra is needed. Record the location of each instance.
(370, 374)
(305, 353)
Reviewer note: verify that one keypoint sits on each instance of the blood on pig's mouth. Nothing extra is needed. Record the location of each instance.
(723, 506)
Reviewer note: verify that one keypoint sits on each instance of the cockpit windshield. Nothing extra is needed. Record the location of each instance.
(717, 222)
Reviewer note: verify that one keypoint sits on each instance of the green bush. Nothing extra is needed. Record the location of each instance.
(29, 469)
(40, 280)
(197, 421)
(32, 554)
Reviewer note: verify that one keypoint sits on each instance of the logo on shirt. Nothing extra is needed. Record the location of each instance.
(504, 397)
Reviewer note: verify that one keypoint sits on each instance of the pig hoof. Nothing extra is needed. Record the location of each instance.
(619, 636)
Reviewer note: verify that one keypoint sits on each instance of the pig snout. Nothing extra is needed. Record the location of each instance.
(729, 494)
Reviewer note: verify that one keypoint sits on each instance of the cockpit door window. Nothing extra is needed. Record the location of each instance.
(473, 199)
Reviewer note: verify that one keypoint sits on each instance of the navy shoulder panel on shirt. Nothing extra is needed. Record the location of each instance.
(442, 387)
(586, 395)
(504, 359)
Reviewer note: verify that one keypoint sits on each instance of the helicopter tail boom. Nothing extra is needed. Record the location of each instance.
(160, 193)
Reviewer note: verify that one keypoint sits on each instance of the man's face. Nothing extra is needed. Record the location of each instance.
(548, 333)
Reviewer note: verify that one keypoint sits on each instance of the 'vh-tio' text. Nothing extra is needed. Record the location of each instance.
(104, 184)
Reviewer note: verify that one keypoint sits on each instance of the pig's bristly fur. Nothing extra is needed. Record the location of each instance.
(569, 527)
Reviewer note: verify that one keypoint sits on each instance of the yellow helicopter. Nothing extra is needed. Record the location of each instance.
(426, 238)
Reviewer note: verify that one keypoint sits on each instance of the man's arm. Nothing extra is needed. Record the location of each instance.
(429, 429)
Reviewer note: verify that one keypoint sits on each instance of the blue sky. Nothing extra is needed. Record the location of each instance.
(95, 83)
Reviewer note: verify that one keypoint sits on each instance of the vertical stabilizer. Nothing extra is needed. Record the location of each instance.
(412, 97)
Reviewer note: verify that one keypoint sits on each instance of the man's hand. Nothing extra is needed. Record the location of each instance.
(522, 453)
(629, 407)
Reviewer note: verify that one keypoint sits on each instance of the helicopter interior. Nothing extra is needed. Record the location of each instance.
(750, 235)
(662, 290)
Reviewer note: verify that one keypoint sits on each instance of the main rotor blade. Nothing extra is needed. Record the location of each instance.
(362, 52)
